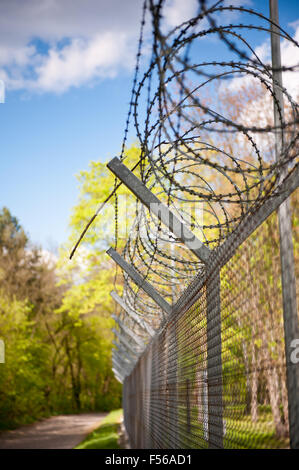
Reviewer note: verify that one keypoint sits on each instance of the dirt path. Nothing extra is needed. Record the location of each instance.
(58, 432)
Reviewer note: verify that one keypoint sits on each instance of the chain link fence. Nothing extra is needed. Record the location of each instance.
(215, 376)
(206, 326)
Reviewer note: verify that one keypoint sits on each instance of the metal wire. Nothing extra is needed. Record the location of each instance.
(250, 407)
(215, 373)
(186, 156)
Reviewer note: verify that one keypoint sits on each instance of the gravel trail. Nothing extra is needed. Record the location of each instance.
(57, 432)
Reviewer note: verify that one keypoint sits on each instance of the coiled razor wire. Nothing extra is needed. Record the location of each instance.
(194, 155)
(211, 166)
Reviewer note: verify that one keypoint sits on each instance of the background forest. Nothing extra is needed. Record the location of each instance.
(56, 327)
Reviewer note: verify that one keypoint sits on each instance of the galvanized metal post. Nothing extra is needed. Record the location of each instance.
(132, 314)
(120, 366)
(178, 228)
(148, 405)
(214, 362)
(126, 344)
(291, 328)
(205, 406)
(122, 359)
(128, 332)
(124, 403)
(173, 364)
(124, 352)
(120, 377)
(188, 413)
(153, 396)
(172, 381)
(140, 281)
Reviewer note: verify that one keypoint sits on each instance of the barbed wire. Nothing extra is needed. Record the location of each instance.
(206, 134)
(194, 153)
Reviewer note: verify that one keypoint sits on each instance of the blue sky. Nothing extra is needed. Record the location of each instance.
(67, 67)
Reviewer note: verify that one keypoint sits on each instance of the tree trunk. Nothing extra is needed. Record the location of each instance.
(285, 400)
(76, 388)
(254, 387)
(273, 388)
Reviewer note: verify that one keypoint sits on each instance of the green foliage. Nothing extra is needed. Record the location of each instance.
(95, 185)
(23, 376)
(56, 320)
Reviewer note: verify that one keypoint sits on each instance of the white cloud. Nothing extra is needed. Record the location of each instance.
(51, 45)
(259, 112)
(176, 12)
(289, 58)
(82, 61)
(2, 91)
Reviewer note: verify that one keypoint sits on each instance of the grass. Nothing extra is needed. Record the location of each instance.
(105, 436)
(241, 433)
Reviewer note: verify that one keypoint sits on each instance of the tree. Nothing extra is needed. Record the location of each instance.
(88, 279)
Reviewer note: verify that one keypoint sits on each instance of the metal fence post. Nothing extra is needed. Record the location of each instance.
(139, 280)
(173, 363)
(153, 397)
(148, 404)
(172, 384)
(188, 411)
(291, 329)
(214, 362)
(205, 407)
(158, 208)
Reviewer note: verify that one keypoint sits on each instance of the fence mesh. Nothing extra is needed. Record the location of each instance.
(206, 321)
(178, 396)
